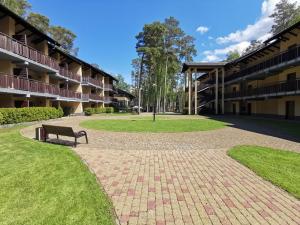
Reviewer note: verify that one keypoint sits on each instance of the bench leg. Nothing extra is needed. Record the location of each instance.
(75, 142)
(57, 136)
(86, 139)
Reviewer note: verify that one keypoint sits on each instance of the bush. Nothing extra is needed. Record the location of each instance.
(19, 115)
(99, 110)
(89, 111)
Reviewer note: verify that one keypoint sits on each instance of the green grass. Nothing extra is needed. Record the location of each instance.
(47, 184)
(282, 168)
(146, 124)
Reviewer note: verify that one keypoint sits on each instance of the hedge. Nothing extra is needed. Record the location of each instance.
(99, 110)
(20, 115)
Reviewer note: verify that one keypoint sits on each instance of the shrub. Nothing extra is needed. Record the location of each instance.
(89, 111)
(99, 110)
(19, 115)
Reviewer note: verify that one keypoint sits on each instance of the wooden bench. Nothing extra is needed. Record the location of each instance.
(63, 131)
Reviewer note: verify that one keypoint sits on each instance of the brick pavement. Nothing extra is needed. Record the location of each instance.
(184, 178)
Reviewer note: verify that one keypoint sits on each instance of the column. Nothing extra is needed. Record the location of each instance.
(196, 94)
(216, 92)
(223, 90)
(190, 92)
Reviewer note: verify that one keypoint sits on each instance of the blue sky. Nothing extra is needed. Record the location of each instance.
(106, 29)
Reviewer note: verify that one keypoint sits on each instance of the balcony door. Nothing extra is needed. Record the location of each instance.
(290, 110)
(291, 81)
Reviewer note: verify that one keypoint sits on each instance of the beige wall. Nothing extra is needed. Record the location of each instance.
(7, 26)
(6, 67)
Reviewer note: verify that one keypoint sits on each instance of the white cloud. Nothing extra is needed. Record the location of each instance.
(219, 54)
(210, 38)
(202, 29)
(256, 31)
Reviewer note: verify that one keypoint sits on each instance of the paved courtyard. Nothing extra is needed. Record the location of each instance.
(185, 178)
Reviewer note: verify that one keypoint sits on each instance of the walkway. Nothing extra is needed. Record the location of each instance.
(184, 178)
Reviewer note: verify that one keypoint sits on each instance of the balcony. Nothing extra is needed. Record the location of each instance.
(69, 75)
(11, 45)
(271, 90)
(95, 97)
(92, 81)
(17, 85)
(109, 87)
(287, 58)
(109, 99)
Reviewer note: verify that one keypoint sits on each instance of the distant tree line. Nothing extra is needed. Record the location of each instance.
(61, 34)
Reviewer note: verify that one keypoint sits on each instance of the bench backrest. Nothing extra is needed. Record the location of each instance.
(64, 131)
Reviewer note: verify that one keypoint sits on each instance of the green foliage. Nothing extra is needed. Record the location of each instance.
(63, 36)
(98, 110)
(285, 15)
(232, 55)
(280, 167)
(121, 84)
(19, 115)
(20, 7)
(41, 22)
(37, 178)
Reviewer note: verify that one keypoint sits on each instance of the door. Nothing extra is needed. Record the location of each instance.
(249, 109)
(291, 82)
(234, 109)
(290, 110)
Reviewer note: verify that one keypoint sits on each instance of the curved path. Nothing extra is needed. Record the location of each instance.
(184, 178)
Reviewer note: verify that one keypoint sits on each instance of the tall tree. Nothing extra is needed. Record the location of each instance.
(285, 13)
(41, 22)
(164, 46)
(63, 36)
(20, 7)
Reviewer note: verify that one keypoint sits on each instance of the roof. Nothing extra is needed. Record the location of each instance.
(126, 93)
(27, 25)
(287, 30)
(203, 66)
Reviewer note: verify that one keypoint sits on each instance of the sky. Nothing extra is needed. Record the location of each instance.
(106, 29)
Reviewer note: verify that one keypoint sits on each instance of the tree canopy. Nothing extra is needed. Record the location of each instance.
(285, 15)
(20, 7)
(122, 84)
(41, 22)
(232, 55)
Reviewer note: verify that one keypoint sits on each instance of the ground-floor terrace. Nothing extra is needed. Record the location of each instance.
(186, 178)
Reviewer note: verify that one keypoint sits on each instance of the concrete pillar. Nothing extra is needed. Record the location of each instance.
(196, 95)
(223, 90)
(216, 92)
(190, 92)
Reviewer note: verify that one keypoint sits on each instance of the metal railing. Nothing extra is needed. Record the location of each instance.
(69, 74)
(95, 97)
(23, 84)
(280, 58)
(274, 88)
(10, 44)
(89, 80)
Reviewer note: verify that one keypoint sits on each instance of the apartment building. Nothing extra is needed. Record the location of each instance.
(35, 71)
(265, 82)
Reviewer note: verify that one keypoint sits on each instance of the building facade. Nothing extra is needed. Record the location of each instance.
(35, 71)
(265, 82)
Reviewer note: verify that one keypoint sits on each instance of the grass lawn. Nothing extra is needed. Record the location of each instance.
(146, 124)
(282, 168)
(47, 184)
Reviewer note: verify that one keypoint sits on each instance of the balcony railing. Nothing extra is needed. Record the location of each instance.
(23, 84)
(89, 80)
(267, 90)
(85, 97)
(69, 74)
(95, 97)
(283, 57)
(19, 48)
